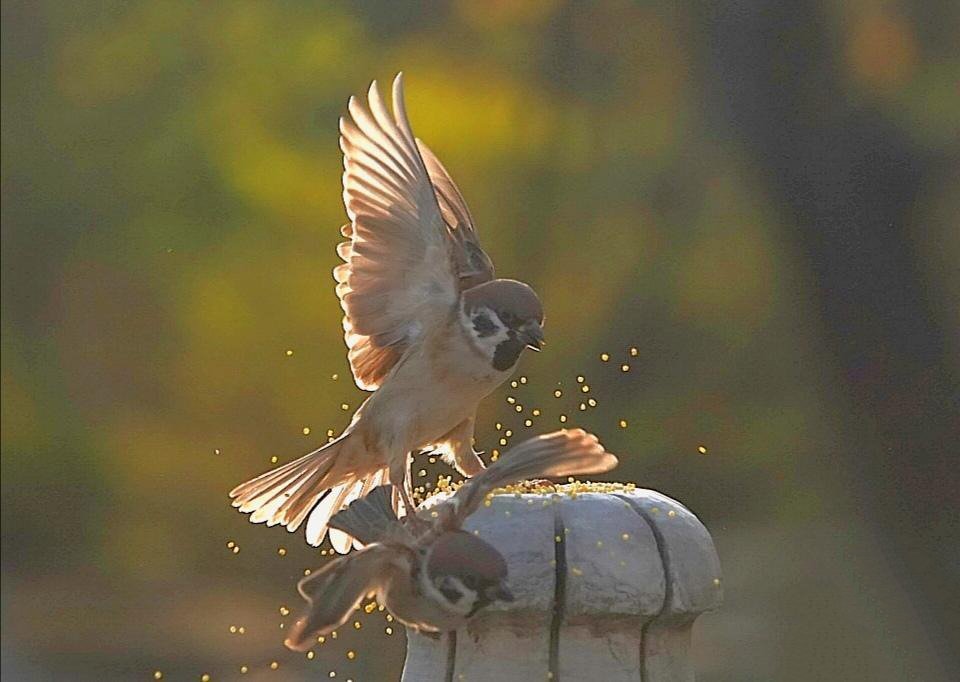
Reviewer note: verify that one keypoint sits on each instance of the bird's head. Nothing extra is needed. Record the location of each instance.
(502, 318)
(465, 574)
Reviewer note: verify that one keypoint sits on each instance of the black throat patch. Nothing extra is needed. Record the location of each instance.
(508, 352)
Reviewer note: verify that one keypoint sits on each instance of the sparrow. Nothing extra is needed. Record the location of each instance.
(428, 328)
(428, 573)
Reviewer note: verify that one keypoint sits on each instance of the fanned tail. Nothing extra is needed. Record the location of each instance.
(341, 539)
(372, 518)
(308, 488)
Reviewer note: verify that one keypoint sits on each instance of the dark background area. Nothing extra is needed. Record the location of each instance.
(761, 198)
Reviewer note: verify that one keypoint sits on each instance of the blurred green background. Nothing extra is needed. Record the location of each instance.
(760, 197)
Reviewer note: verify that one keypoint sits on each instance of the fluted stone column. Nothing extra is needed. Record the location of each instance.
(607, 587)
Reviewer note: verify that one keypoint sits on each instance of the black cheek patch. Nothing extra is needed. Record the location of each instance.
(484, 326)
(507, 353)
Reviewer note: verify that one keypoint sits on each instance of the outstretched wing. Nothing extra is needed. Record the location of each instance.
(398, 278)
(473, 266)
(561, 453)
(334, 591)
(412, 246)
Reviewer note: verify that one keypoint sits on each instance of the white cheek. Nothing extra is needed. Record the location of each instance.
(485, 344)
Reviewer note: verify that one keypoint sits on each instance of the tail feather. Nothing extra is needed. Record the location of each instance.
(341, 538)
(372, 518)
(372, 483)
(250, 495)
(318, 524)
(266, 507)
(306, 495)
(272, 474)
(317, 518)
(292, 492)
(304, 511)
(340, 541)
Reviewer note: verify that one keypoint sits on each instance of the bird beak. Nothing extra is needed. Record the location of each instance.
(533, 336)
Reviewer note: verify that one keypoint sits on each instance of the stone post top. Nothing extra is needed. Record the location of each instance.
(607, 580)
(627, 550)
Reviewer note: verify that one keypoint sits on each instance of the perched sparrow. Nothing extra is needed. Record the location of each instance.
(426, 571)
(428, 328)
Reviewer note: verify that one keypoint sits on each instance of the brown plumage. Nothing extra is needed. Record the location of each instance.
(427, 327)
(426, 571)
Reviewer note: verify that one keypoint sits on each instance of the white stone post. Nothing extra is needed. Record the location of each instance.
(606, 586)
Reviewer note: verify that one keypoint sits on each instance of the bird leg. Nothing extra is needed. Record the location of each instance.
(408, 505)
(400, 478)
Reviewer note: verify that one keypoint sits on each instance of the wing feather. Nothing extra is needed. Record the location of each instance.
(561, 453)
(472, 264)
(333, 592)
(411, 243)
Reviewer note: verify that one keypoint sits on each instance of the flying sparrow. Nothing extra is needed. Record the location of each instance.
(428, 572)
(428, 328)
